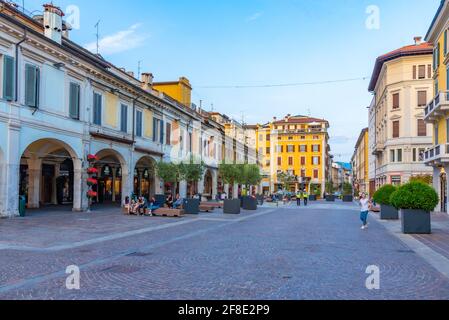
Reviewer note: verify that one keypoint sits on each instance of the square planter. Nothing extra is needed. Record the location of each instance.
(312, 198)
(416, 222)
(231, 206)
(160, 200)
(330, 198)
(191, 206)
(249, 203)
(348, 198)
(260, 200)
(388, 212)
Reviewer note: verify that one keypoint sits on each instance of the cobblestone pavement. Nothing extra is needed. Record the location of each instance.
(274, 253)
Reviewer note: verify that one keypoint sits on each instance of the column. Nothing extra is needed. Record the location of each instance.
(214, 184)
(113, 183)
(54, 196)
(226, 189)
(158, 185)
(235, 192)
(183, 189)
(34, 183)
(80, 202)
(11, 171)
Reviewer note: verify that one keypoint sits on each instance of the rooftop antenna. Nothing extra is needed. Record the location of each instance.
(309, 113)
(98, 36)
(139, 68)
(212, 107)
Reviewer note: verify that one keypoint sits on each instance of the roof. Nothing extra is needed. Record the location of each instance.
(301, 120)
(435, 18)
(344, 165)
(424, 48)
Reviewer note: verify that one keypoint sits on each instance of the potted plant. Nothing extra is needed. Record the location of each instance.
(229, 174)
(330, 197)
(347, 193)
(383, 197)
(250, 176)
(415, 200)
(316, 192)
(191, 172)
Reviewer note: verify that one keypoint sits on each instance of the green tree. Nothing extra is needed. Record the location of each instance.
(191, 172)
(347, 189)
(286, 179)
(426, 179)
(230, 173)
(249, 175)
(168, 172)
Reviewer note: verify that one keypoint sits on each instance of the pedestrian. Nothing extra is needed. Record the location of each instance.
(305, 197)
(298, 198)
(365, 204)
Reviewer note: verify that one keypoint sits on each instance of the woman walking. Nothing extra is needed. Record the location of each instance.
(365, 204)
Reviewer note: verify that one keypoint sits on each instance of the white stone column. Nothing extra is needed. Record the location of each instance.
(235, 191)
(34, 183)
(54, 196)
(226, 189)
(113, 183)
(183, 189)
(437, 187)
(201, 186)
(80, 201)
(158, 185)
(214, 184)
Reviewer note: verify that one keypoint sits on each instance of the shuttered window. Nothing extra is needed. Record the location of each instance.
(422, 128)
(139, 123)
(155, 131)
(395, 129)
(8, 78)
(279, 161)
(396, 101)
(161, 133)
(168, 133)
(429, 71)
(32, 80)
(316, 148)
(422, 98)
(422, 72)
(303, 148)
(124, 118)
(290, 161)
(315, 174)
(268, 150)
(74, 101)
(97, 109)
(303, 161)
(414, 72)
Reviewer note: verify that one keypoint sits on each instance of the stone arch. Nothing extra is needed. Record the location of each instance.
(145, 177)
(50, 174)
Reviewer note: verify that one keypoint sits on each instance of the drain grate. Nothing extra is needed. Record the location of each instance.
(406, 251)
(138, 254)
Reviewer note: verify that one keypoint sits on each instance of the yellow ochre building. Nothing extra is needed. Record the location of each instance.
(360, 163)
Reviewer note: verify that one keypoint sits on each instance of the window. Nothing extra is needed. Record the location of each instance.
(421, 154)
(74, 101)
(422, 98)
(303, 137)
(124, 118)
(303, 161)
(303, 173)
(168, 133)
(268, 137)
(436, 57)
(97, 109)
(290, 161)
(8, 78)
(414, 154)
(429, 71)
(303, 148)
(260, 137)
(268, 150)
(290, 149)
(279, 149)
(395, 129)
(260, 150)
(32, 87)
(436, 133)
(392, 156)
(316, 174)
(422, 128)
(267, 163)
(445, 42)
(315, 161)
(396, 180)
(316, 148)
(138, 123)
(158, 131)
(399, 158)
(422, 72)
(290, 138)
(279, 161)
(396, 101)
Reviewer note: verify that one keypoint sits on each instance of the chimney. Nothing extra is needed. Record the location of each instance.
(130, 73)
(53, 22)
(147, 81)
(418, 40)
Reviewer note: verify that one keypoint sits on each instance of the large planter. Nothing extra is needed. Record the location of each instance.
(330, 198)
(160, 200)
(388, 212)
(249, 203)
(312, 197)
(231, 206)
(348, 198)
(260, 199)
(416, 222)
(191, 206)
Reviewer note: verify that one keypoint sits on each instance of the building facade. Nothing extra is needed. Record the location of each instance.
(360, 164)
(60, 103)
(297, 147)
(436, 112)
(402, 85)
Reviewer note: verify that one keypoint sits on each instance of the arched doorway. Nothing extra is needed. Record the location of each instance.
(144, 177)
(47, 174)
(208, 188)
(111, 177)
(443, 190)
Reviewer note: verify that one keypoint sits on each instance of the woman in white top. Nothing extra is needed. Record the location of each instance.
(365, 204)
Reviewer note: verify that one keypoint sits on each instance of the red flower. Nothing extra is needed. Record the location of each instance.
(92, 158)
(92, 182)
(91, 194)
(92, 171)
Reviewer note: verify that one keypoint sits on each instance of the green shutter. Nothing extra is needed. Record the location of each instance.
(8, 78)
(74, 101)
(32, 86)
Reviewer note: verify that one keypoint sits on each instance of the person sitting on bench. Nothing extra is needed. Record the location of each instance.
(169, 201)
(178, 203)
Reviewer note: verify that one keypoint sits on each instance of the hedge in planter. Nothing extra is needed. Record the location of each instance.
(383, 197)
(347, 193)
(415, 200)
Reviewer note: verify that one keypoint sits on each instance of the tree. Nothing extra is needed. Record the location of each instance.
(191, 172)
(286, 179)
(250, 175)
(230, 173)
(329, 187)
(347, 189)
(168, 172)
(426, 179)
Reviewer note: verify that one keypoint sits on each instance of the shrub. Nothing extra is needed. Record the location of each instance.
(426, 179)
(347, 189)
(383, 195)
(415, 196)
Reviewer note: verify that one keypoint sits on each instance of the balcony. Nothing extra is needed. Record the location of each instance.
(378, 149)
(437, 107)
(437, 155)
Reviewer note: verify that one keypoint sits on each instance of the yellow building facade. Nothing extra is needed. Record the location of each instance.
(296, 147)
(360, 163)
(437, 111)
(180, 90)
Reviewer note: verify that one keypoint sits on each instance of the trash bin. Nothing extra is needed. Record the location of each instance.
(22, 206)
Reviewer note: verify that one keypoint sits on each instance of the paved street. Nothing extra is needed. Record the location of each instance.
(274, 253)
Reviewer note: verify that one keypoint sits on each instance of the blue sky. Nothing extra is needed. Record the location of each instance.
(258, 42)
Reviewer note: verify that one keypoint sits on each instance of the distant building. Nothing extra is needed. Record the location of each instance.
(360, 163)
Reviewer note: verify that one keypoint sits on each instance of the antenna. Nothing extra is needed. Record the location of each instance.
(139, 68)
(98, 36)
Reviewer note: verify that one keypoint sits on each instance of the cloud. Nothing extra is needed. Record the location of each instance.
(120, 41)
(254, 17)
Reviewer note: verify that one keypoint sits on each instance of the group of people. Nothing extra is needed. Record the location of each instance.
(302, 195)
(141, 206)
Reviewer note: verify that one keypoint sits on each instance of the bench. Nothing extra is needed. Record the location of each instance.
(167, 212)
(215, 205)
(206, 207)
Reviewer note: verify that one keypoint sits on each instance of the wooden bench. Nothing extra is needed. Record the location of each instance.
(206, 207)
(216, 205)
(167, 212)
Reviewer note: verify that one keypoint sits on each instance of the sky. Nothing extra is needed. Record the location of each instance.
(235, 43)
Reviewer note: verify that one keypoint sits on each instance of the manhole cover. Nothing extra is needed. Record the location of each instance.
(121, 269)
(138, 254)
